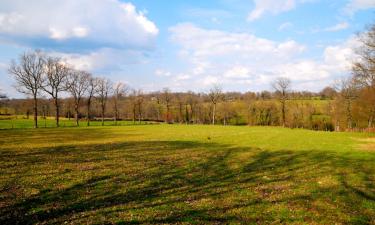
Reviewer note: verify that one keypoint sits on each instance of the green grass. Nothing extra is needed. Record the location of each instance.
(19, 122)
(186, 175)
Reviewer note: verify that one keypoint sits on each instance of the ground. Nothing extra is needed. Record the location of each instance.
(186, 174)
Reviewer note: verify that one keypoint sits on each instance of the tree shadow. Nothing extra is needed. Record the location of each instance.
(181, 181)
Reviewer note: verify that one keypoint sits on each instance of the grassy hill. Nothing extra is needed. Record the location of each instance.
(186, 174)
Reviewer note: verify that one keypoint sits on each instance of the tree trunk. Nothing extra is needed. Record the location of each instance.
(103, 115)
(283, 112)
(76, 114)
(35, 112)
(57, 107)
(213, 114)
(88, 112)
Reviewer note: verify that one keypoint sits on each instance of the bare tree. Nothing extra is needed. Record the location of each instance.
(167, 98)
(348, 91)
(56, 74)
(215, 96)
(282, 86)
(77, 84)
(364, 69)
(104, 88)
(28, 73)
(139, 104)
(91, 91)
(120, 90)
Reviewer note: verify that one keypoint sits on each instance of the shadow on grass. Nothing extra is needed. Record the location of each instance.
(181, 181)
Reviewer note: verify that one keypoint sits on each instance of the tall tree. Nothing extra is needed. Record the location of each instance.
(364, 70)
(167, 98)
(28, 73)
(104, 87)
(282, 88)
(76, 84)
(348, 92)
(215, 96)
(91, 91)
(120, 90)
(56, 74)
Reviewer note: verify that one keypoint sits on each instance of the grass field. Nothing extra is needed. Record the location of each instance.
(16, 123)
(186, 174)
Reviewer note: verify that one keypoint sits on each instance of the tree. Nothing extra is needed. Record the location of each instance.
(54, 82)
(119, 92)
(91, 91)
(215, 96)
(348, 92)
(364, 70)
(282, 86)
(104, 87)
(167, 98)
(77, 84)
(28, 73)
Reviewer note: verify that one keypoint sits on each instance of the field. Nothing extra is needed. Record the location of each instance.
(182, 174)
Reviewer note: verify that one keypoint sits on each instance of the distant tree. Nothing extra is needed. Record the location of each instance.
(348, 93)
(137, 99)
(282, 88)
(328, 93)
(120, 91)
(28, 73)
(92, 83)
(215, 96)
(54, 82)
(167, 98)
(104, 88)
(77, 84)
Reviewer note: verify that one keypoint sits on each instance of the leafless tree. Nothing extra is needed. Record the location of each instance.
(28, 73)
(54, 83)
(348, 91)
(167, 98)
(91, 91)
(120, 91)
(104, 88)
(215, 96)
(77, 84)
(282, 88)
(364, 68)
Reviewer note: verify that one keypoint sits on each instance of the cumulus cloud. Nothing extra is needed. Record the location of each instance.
(244, 61)
(97, 23)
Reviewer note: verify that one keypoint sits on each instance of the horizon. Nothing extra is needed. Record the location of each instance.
(240, 45)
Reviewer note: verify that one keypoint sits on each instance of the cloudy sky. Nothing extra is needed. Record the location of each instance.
(241, 45)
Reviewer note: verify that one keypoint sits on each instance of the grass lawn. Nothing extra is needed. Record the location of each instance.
(186, 174)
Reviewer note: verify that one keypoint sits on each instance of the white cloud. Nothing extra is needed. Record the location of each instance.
(237, 72)
(356, 5)
(98, 22)
(337, 27)
(244, 61)
(285, 26)
(270, 6)
(102, 59)
(162, 73)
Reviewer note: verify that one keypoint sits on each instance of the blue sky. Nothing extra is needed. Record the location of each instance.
(241, 45)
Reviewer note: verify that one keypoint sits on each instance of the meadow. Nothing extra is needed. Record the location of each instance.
(186, 174)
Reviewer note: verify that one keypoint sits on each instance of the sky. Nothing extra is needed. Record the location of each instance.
(240, 45)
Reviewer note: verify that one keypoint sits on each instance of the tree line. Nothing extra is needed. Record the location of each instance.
(348, 104)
